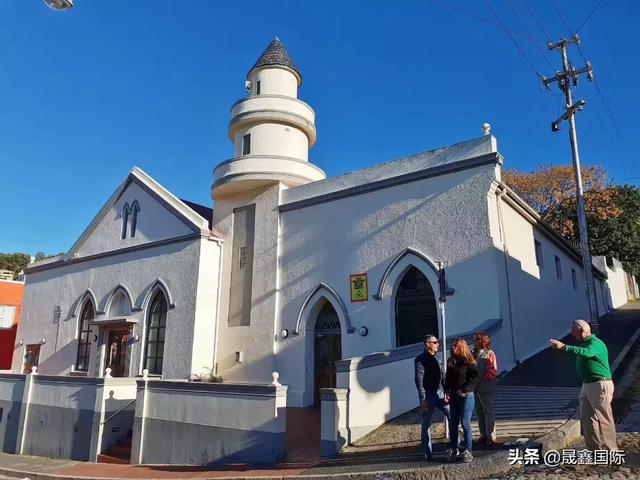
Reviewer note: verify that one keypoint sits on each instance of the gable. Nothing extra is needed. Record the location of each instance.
(154, 222)
(160, 216)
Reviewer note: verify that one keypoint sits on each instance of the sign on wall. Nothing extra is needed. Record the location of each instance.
(359, 289)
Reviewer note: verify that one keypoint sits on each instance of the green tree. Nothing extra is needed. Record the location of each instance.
(16, 262)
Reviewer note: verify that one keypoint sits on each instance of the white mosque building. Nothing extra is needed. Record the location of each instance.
(297, 273)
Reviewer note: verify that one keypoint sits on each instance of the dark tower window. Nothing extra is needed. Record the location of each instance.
(246, 144)
(416, 313)
(258, 87)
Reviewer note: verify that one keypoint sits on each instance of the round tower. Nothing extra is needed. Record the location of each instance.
(271, 130)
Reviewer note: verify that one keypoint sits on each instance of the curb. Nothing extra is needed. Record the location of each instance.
(488, 465)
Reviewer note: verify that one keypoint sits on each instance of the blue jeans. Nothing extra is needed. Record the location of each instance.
(461, 411)
(434, 399)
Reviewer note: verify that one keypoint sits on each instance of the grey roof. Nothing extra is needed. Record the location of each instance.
(204, 212)
(275, 54)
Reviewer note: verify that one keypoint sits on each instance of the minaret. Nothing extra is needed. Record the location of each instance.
(271, 130)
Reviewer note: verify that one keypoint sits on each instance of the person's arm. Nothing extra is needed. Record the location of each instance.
(471, 379)
(590, 351)
(447, 381)
(419, 378)
(491, 370)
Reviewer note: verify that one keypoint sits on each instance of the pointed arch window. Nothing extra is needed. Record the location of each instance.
(327, 321)
(125, 221)
(135, 208)
(84, 337)
(156, 326)
(416, 313)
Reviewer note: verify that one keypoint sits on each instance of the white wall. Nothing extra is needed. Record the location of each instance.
(543, 306)
(256, 340)
(154, 223)
(444, 217)
(616, 282)
(378, 393)
(206, 313)
(273, 80)
(274, 139)
(177, 264)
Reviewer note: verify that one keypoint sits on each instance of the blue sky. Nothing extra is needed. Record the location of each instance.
(88, 93)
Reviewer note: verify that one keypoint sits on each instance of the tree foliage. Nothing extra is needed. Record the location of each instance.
(16, 262)
(613, 212)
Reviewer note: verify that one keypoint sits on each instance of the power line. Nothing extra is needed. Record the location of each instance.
(625, 148)
(561, 17)
(589, 16)
(535, 18)
(533, 40)
(474, 16)
(515, 43)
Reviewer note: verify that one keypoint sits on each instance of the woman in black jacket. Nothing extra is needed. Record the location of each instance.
(460, 382)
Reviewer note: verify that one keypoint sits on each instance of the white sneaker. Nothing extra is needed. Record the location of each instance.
(465, 456)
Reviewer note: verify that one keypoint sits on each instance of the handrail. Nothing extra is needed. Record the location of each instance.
(117, 412)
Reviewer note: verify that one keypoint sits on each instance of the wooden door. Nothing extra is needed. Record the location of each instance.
(117, 352)
(328, 349)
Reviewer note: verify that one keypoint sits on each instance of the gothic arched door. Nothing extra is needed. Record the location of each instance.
(416, 313)
(327, 349)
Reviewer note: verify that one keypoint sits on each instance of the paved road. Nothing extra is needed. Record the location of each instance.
(557, 369)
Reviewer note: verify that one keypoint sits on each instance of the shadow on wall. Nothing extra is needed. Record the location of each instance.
(542, 308)
(57, 363)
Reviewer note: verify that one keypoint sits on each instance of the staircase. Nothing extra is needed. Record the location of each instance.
(526, 411)
(520, 411)
(119, 453)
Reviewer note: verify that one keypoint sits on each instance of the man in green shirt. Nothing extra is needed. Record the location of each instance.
(592, 364)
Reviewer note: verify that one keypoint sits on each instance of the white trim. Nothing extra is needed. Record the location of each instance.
(405, 262)
(80, 303)
(158, 283)
(324, 290)
(138, 174)
(109, 300)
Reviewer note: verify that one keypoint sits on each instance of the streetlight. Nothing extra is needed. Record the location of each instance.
(59, 4)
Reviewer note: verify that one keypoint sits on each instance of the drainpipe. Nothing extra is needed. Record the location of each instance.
(505, 251)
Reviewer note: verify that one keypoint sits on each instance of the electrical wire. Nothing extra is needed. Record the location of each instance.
(589, 16)
(472, 15)
(533, 40)
(535, 18)
(625, 148)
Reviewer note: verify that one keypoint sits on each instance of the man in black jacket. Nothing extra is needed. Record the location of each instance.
(429, 384)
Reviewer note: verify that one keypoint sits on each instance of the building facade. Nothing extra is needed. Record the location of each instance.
(294, 272)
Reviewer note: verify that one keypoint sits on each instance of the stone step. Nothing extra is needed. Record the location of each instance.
(105, 458)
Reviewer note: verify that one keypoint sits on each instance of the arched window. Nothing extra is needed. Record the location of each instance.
(135, 208)
(416, 313)
(156, 324)
(84, 341)
(125, 220)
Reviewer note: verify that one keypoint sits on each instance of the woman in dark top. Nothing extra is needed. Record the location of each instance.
(460, 383)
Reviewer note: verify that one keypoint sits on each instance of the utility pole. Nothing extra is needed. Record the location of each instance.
(570, 75)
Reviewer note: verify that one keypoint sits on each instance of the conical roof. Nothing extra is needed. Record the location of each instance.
(275, 54)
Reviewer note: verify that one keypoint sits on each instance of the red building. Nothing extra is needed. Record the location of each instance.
(11, 293)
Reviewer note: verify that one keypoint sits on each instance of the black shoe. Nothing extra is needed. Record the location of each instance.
(428, 457)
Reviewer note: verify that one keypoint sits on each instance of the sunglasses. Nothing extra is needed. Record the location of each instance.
(433, 341)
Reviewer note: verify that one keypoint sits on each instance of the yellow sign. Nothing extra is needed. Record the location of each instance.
(359, 290)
